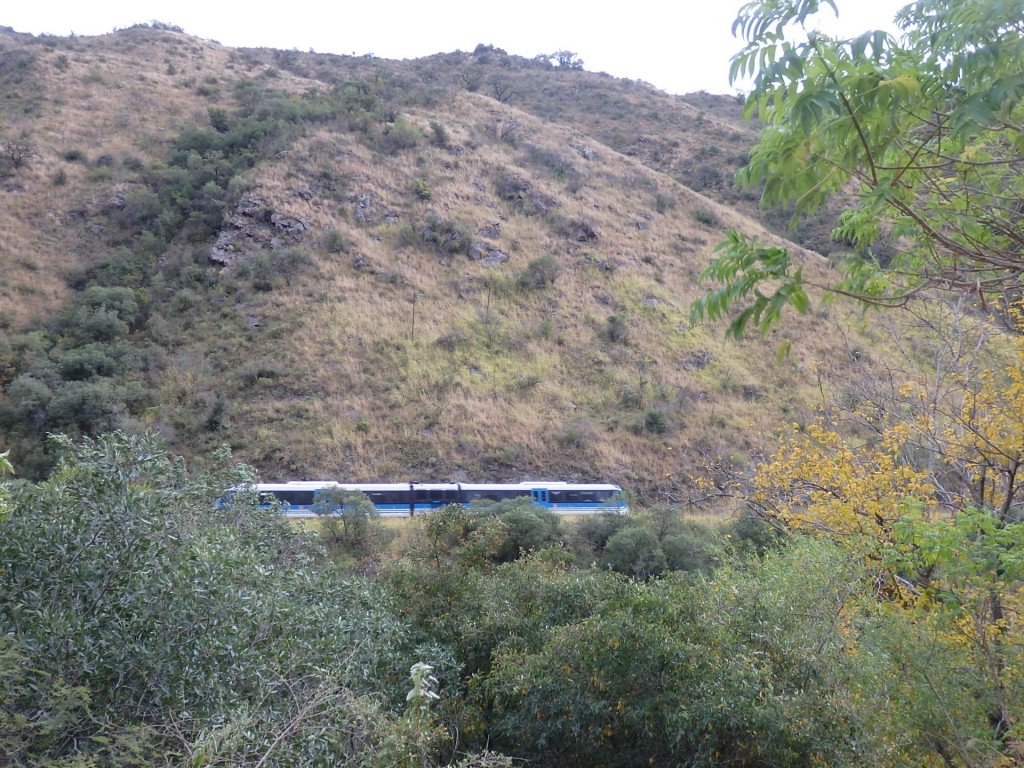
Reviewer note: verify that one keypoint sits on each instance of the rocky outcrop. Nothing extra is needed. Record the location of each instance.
(487, 253)
(254, 226)
(521, 195)
(369, 211)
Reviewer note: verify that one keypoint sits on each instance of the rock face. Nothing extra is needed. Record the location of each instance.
(521, 195)
(255, 226)
(491, 230)
(487, 253)
(369, 211)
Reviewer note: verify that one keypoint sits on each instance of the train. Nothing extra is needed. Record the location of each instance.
(297, 497)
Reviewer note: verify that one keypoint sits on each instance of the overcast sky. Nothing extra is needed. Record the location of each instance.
(679, 46)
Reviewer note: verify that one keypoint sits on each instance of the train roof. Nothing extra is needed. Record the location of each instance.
(526, 486)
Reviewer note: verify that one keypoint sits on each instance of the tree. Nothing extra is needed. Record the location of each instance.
(141, 624)
(503, 92)
(932, 500)
(349, 520)
(746, 668)
(635, 552)
(922, 133)
(563, 59)
(17, 152)
(527, 526)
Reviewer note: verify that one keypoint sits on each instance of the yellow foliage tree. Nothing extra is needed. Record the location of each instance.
(818, 482)
(933, 503)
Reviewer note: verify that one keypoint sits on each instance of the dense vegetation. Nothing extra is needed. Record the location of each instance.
(143, 624)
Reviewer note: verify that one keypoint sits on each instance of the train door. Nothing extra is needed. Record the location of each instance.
(540, 497)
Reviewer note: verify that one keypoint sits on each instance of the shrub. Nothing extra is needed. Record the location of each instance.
(336, 241)
(664, 202)
(439, 135)
(219, 119)
(559, 166)
(399, 136)
(141, 208)
(349, 521)
(577, 435)
(92, 361)
(406, 236)
(539, 273)
(615, 329)
(706, 217)
(87, 407)
(528, 528)
(655, 421)
(635, 552)
(271, 270)
(421, 189)
(173, 625)
(695, 548)
(594, 531)
(752, 534)
(446, 236)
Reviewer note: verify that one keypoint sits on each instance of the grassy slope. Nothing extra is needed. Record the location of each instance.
(326, 375)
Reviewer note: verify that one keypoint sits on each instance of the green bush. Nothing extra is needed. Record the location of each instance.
(336, 241)
(706, 217)
(421, 189)
(635, 552)
(444, 235)
(87, 407)
(349, 522)
(615, 329)
(655, 422)
(594, 531)
(93, 361)
(406, 236)
(746, 667)
(399, 136)
(163, 628)
(540, 273)
(528, 527)
(694, 549)
(141, 208)
(270, 271)
(439, 135)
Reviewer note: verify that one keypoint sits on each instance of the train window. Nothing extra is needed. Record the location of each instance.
(512, 493)
(294, 498)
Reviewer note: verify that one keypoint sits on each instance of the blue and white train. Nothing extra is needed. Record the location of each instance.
(407, 499)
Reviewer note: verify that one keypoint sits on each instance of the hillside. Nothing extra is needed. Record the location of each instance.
(470, 266)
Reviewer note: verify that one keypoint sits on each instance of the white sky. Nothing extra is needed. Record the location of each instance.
(679, 46)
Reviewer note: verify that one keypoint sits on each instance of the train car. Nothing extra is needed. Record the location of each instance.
(298, 497)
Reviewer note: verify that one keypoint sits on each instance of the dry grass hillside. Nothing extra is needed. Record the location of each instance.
(470, 266)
